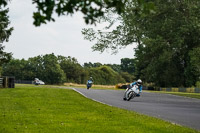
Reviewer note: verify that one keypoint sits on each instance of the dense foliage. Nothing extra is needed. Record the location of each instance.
(91, 9)
(105, 75)
(167, 41)
(172, 33)
(5, 32)
(59, 69)
(43, 67)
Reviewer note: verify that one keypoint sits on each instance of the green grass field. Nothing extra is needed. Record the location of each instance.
(41, 109)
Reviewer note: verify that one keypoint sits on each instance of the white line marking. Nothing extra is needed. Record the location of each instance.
(91, 98)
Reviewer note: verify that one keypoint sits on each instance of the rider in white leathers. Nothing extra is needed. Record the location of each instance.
(139, 84)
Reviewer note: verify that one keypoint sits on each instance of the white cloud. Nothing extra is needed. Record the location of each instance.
(62, 37)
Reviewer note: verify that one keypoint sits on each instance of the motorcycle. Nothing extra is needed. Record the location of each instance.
(131, 93)
(89, 84)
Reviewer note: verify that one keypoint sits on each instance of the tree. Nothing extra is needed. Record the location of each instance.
(4, 56)
(171, 34)
(18, 68)
(13, 68)
(194, 56)
(105, 75)
(35, 64)
(73, 70)
(89, 65)
(91, 9)
(44, 67)
(165, 38)
(127, 77)
(115, 67)
(5, 32)
(128, 65)
(52, 71)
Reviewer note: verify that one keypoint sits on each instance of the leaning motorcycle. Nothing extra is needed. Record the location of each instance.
(131, 93)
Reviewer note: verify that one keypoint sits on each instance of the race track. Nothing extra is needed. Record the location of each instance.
(176, 109)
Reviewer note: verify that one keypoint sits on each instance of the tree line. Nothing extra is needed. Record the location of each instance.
(60, 69)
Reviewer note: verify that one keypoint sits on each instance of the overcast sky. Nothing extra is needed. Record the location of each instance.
(62, 37)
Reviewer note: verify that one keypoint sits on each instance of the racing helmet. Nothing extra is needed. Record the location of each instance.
(139, 82)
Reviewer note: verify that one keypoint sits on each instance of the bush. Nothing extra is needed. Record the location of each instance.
(104, 75)
(198, 84)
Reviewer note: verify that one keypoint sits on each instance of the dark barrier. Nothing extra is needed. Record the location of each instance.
(7, 82)
(1, 82)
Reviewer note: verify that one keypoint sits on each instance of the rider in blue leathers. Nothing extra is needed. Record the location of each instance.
(89, 83)
(139, 84)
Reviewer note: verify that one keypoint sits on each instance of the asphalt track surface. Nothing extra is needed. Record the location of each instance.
(176, 109)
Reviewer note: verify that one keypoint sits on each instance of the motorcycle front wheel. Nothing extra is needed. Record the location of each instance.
(130, 95)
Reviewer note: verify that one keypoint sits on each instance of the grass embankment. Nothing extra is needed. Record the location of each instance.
(41, 109)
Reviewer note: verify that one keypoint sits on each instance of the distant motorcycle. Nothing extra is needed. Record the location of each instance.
(131, 93)
(89, 84)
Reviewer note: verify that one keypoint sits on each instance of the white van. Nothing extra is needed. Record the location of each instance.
(38, 82)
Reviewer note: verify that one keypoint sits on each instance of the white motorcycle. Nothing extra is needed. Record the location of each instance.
(131, 93)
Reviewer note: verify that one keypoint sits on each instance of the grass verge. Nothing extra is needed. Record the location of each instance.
(93, 86)
(32, 109)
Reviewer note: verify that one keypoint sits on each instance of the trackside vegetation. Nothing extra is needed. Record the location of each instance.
(33, 109)
(59, 69)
